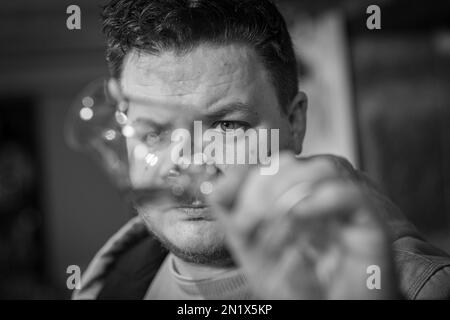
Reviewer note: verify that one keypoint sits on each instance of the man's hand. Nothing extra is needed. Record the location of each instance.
(308, 232)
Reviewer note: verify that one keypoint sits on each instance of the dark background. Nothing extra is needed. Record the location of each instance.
(57, 208)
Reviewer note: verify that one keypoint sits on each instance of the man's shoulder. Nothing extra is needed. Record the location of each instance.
(133, 270)
(124, 266)
(424, 270)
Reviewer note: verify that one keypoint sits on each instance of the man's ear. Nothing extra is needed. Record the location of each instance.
(296, 113)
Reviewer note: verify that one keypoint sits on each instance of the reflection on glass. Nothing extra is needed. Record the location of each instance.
(136, 151)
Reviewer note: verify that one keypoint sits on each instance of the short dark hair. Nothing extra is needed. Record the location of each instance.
(180, 25)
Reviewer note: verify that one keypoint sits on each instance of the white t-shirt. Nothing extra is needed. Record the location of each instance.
(169, 284)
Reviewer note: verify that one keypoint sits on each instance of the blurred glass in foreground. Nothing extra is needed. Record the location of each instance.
(135, 152)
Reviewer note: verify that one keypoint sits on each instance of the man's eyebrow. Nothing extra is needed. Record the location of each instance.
(147, 122)
(235, 107)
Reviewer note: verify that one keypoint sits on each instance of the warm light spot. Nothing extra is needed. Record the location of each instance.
(128, 131)
(86, 114)
(121, 118)
(110, 134)
(87, 102)
(206, 187)
(151, 159)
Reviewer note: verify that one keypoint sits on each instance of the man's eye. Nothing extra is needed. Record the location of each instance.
(151, 138)
(230, 125)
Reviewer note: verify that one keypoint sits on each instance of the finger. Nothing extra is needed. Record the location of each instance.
(333, 197)
(339, 166)
(338, 212)
(297, 180)
(293, 183)
(259, 204)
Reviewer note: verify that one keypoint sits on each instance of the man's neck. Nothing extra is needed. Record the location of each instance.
(198, 271)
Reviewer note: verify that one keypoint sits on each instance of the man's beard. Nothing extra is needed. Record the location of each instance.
(218, 255)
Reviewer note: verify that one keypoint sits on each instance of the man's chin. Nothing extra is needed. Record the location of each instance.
(197, 249)
(192, 234)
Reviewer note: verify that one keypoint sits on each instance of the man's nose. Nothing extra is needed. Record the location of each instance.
(187, 174)
(187, 167)
(190, 140)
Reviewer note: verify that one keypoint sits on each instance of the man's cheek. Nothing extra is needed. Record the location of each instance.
(273, 167)
(269, 149)
(156, 220)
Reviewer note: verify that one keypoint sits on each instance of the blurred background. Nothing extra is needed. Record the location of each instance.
(379, 97)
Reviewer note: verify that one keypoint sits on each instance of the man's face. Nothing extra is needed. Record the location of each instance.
(230, 86)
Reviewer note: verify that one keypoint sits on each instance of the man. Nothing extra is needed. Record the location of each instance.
(315, 229)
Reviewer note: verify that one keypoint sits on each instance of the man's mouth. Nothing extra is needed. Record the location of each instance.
(195, 211)
(195, 204)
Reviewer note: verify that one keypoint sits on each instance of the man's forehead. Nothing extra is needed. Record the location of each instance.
(204, 70)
